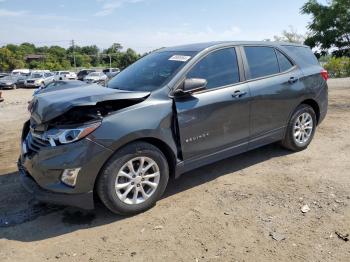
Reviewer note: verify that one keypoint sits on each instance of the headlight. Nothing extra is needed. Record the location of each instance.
(69, 135)
(37, 81)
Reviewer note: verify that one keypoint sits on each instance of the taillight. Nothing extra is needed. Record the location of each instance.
(324, 74)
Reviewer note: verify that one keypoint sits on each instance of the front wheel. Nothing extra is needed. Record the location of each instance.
(133, 179)
(301, 128)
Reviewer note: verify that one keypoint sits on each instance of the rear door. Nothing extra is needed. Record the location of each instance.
(274, 85)
(217, 118)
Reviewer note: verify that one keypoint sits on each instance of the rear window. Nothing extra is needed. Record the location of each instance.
(303, 55)
(262, 61)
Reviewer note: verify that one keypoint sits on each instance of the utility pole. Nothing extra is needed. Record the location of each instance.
(110, 56)
(73, 47)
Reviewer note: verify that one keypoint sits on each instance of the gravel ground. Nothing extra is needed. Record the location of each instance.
(245, 208)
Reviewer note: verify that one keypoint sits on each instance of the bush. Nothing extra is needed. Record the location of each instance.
(338, 67)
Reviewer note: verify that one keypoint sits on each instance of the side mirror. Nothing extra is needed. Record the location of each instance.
(191, 85)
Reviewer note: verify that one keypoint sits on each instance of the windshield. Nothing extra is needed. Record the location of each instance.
(36, 75)
(151, 72)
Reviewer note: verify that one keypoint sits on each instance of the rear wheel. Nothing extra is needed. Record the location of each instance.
(133, 179)
(301, 128)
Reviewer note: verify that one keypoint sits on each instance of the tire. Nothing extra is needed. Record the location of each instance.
(111, 176)
(295, 141)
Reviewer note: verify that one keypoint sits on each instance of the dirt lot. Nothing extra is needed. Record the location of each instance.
(245, 208)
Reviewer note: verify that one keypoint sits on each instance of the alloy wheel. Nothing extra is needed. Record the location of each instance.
(137, 180)
(303, 128)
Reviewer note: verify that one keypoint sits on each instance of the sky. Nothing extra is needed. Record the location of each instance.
(145, 25)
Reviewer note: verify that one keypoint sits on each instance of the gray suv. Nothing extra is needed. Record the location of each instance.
(172, 111)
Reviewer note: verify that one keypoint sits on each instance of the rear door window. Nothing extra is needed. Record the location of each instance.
(219, 68)
(284, 63)
(262, 61)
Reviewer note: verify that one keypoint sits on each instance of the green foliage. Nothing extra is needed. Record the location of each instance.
(58, 58)
(9, 60)
(338, 66)
(330, 26)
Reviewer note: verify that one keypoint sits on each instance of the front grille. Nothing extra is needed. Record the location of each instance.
(30, 81)
(35, 144)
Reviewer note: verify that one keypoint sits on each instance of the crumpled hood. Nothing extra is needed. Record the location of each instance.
(47, 106)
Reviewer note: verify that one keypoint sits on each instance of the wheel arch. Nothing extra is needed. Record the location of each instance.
(161, 145)
(313, 103)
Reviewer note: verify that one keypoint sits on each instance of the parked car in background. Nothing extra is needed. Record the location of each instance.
(111, 72)
(21, 81)
(3, 75)
(11, 81)
(20, 71)
(96, 77)
(82, 73)
(59, 85)
(38, 79)
(65, 75)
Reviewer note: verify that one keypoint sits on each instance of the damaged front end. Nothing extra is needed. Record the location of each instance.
(67, 116)
(56, 164)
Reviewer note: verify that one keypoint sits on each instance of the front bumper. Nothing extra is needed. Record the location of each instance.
(41, 169)
(32, 85)
(20, 84)
(84, 201)
(7, 86)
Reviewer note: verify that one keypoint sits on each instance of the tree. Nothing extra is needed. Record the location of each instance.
(8, 60)
(291, 36)
(330, 26)
(58, 58)
(93, 52)
(83, 60)
(128, 57)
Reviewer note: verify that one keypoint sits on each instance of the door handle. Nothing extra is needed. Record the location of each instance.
(238, 94)
(292, 80)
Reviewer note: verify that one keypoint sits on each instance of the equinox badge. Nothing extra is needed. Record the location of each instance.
(196, 138)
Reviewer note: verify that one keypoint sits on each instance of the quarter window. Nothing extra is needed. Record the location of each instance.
(283, 61)
(219, 68)
(303, 55)
(262, 61)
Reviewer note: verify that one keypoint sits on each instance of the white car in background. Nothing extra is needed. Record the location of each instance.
(38, 79)
(20, 72)
(111, 72)
(65, 75)
(96, 77)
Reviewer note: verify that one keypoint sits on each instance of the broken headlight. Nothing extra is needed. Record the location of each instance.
(68, 135)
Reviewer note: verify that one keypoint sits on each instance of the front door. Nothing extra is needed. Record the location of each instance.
(217, 118)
